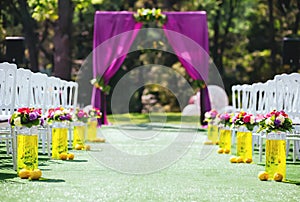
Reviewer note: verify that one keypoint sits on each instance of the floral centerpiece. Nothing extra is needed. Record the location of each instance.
(225, 119)
(94, 113)
(99, 83)
(149, 15)
(27, 117)
(244, 119)
(80, 115)
(276, 121)
(59, 114)
(210, 116)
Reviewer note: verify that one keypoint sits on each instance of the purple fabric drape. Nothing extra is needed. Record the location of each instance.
(114, 33)
(112, 41)
(187, 33)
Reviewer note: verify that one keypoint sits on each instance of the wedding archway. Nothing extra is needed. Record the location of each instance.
(114, 25)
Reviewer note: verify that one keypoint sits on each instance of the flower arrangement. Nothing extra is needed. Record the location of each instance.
(94, 113)
(80, 115)
(210, 116)
(149, 15)
(244, 119)
(27, 117)
(225, 119)
(99, 83)
(59, 114)
(276, 121)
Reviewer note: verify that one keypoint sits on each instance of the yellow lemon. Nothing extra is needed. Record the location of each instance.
(99, 140)
(79, 146)
(71, 156)
(263, 175)
(278, 177)
(63, 156)
(24, 173)
(220, 151)
(248, 160)
(217, 142)
(239, 160)
(233, 159)
(226, 151)
(87, 147)
(35, 174)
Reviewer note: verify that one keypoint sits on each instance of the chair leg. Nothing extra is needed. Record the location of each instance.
(287, 147)
(7, 144)
(260, 148)
(14, 146)
(43, 142)
(298, 148)
(48, 133)
(294, 152)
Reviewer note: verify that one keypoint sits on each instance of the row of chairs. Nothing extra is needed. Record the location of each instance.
(280, 93)
(22, 88)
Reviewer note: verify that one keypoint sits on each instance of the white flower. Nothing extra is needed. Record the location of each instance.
(207, 115)
(66, 111)
(269, 121)
(58, 113)
(252, 120)
(280, 118)
(93, 81)
(17, 121)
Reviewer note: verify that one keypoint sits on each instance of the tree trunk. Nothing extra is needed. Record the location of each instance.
(62, 40)
(31, 39)
(272, 36)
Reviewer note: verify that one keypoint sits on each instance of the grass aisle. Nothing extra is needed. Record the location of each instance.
(191, 178)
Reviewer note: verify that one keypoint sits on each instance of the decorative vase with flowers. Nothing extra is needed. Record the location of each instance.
(212, 127)
(26, 121)
(276, 125)
(59, 119)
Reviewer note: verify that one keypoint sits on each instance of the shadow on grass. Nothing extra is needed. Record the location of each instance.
(295, 182)
(49, 180)
(5, 176)
(76, 161)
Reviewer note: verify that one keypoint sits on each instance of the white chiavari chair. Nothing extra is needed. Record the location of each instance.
(8, 74)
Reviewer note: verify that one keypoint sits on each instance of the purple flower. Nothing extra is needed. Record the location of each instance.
(33, 116)
(277, 122)
(80, 114)
(42, 122)
(68, 117)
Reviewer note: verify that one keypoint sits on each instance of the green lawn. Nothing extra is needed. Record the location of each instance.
(136, 118)
(200, 175)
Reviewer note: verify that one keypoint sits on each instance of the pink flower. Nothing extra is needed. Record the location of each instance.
(247, 118)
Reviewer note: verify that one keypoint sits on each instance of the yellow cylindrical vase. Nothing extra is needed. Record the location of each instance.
(276, 154)
(27, 152)
(225, 139)
(79, 134)
(92, 129)
(244, 144)
(212, 133)
(59, 139)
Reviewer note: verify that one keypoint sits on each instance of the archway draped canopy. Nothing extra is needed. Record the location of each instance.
(108, 55)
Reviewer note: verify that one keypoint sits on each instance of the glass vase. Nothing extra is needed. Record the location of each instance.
(79, 133)
(92, 129)
(276, 154)
(59, 139)
(225, 139)
(212, 132)
(27, 148)
(244, 143)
